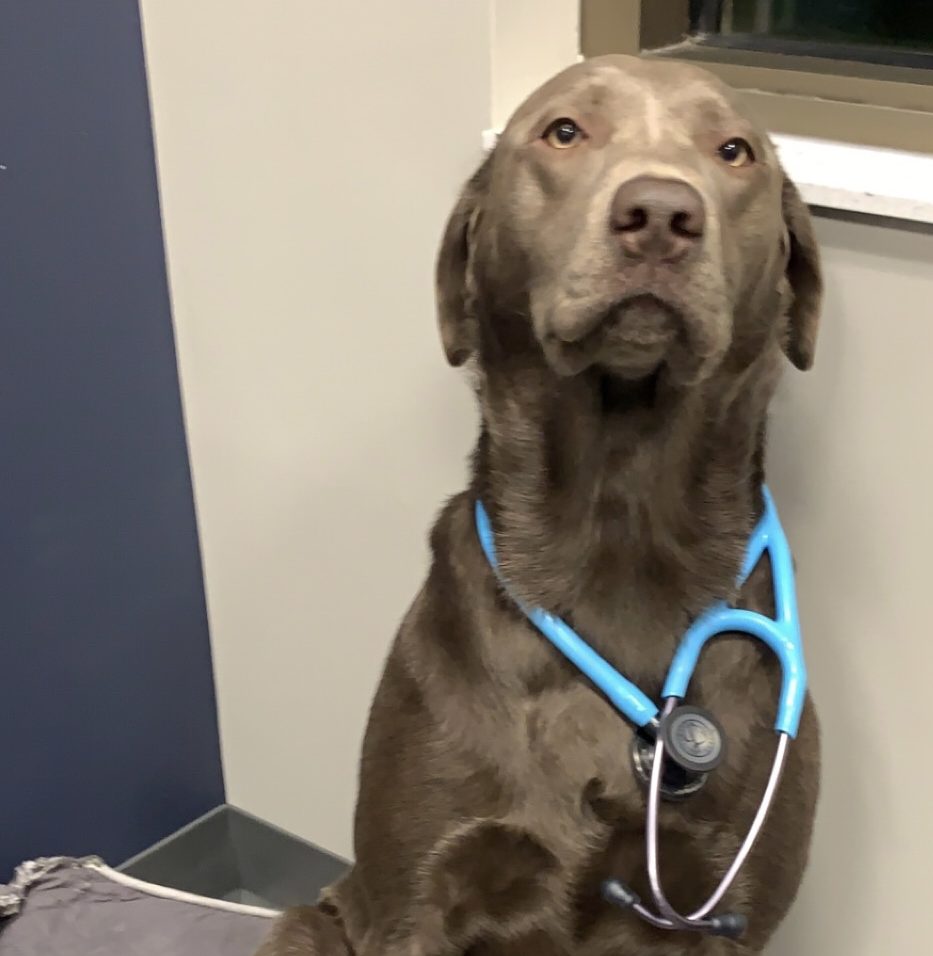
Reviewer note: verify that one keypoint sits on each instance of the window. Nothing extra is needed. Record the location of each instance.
(853, 70)
(896, 32)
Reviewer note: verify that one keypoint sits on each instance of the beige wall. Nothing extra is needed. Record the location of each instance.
(307, 160)
(531, 40)
(308, 154)
(851, 460)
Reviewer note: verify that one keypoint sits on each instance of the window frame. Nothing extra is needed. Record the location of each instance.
(866, 103)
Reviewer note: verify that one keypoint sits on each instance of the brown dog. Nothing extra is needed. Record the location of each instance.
(623, 273)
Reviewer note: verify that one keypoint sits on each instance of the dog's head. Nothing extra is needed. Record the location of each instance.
(634, 221)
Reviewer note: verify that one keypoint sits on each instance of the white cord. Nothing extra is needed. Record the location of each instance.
(180, 896)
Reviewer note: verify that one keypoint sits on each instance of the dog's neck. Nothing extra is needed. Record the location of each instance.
(594, 506)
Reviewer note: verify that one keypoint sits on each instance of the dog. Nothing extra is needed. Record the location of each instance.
(625, 275)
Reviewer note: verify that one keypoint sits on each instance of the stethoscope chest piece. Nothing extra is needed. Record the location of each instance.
(676, 783)
(694, 746)
(693, 739)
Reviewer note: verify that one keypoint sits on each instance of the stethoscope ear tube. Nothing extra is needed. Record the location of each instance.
(701, 920)
(780, 633)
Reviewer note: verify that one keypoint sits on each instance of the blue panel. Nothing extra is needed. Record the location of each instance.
(108, 732)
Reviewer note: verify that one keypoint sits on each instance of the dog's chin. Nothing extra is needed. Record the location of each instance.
(641, 346)
(629, 338)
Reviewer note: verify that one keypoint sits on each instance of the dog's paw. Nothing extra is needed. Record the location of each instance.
(490, 877)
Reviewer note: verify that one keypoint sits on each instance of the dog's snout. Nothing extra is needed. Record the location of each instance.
(657, 219)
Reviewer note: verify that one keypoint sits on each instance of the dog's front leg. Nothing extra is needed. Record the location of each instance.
(306, 931)
(485, 880)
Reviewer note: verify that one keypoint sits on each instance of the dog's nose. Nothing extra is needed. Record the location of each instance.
(657, 219)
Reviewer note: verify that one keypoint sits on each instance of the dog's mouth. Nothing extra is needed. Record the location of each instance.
(624, 396)
(637, 336)
(641, 352)
(630, 339)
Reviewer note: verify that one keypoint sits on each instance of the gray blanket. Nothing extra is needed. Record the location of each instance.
(67, 907)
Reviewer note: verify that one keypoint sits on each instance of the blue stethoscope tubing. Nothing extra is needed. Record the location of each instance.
(781, 634)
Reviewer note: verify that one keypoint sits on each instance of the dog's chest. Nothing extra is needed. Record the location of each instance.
(564, 748)
(572, 748)
(575, 757)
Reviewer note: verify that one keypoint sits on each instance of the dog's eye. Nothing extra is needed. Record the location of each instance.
(563, 133)
(737, 152)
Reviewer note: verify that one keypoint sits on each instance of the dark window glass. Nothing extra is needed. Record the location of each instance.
(851, 26)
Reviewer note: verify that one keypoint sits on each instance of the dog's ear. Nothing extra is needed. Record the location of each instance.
(454, 279)
(805, 277)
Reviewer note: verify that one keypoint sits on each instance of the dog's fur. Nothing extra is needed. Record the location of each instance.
(623, 402)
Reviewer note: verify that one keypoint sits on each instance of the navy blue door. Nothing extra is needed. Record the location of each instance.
(108, 732)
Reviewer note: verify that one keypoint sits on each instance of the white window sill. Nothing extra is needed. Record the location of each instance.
(875, 182)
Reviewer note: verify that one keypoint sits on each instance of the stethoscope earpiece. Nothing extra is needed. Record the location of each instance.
(730, 925)
(619, 894)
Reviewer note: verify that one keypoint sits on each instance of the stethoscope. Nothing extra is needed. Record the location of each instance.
(690, 736)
